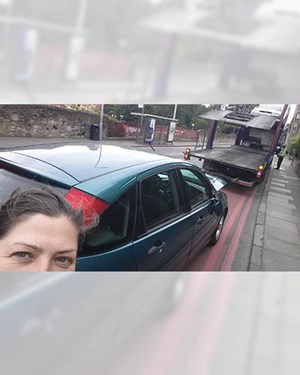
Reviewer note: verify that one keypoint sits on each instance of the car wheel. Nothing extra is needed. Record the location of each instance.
(217, 233)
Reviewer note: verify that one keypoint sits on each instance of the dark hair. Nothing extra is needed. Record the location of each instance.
(46, 201)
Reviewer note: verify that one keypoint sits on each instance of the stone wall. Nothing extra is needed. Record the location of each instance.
(45, 121)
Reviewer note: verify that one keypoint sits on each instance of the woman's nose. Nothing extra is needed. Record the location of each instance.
(42, 264)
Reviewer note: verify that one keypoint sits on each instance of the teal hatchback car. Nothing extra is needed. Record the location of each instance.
(155, 212)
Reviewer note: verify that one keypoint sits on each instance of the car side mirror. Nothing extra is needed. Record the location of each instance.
(217, 205)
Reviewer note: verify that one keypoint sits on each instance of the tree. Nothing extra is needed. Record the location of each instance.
(122, 112)
(189, 114)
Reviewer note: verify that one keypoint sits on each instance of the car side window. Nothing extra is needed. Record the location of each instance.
(196, 186)
(160, 198)
(115, 227)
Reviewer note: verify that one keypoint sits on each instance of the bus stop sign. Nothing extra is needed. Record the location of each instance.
(150, 129)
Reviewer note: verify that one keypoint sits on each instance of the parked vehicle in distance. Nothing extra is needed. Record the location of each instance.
(155, 212)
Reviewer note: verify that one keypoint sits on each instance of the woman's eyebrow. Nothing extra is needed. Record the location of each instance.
(66, 251)
(33, 247)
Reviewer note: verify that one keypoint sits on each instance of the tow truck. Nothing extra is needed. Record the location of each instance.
(248, 160)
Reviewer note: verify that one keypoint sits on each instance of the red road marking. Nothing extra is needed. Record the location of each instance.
(231, 219)
(227, 264)
(221, 256)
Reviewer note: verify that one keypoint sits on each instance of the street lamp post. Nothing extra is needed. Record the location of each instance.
(101, 122)
(175, 111)
(141, 122)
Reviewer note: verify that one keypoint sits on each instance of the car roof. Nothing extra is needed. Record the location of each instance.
(73, 163)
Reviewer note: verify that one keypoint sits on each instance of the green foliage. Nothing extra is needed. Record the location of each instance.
(122, 112)
(226, 129)
(189, 114)
(294, 146)
(160, 109)
(202, 123)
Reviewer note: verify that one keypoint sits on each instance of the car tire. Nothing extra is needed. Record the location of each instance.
(218, 231)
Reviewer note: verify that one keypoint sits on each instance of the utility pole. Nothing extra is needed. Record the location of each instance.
(175, 111)
(101, 122)
(138, 130)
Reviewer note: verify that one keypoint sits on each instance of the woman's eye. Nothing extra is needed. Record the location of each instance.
(22, 255)
(64, 262)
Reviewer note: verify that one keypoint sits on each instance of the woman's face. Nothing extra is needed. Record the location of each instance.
(40, 243)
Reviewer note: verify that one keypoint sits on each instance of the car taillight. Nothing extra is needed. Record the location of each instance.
(187, 153)
(89, 204)
(259, 171)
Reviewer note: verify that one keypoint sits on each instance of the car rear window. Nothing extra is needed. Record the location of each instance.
(115, 227)
(9, 182)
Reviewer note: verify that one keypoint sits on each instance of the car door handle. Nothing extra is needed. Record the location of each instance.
(157, 248)
(199, 220)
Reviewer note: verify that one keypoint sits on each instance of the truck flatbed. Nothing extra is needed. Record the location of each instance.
(234, 155)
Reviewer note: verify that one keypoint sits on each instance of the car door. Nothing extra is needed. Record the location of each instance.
(164, 234)
(203, 217)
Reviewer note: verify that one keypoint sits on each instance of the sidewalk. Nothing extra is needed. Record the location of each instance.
(10, 142)
(276, 245)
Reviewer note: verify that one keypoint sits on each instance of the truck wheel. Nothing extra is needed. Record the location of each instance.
(217, 233)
